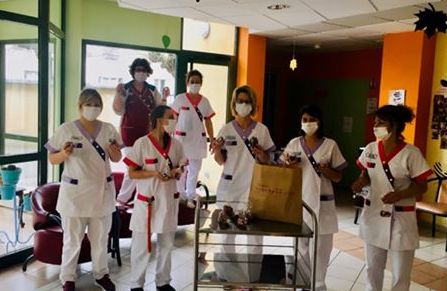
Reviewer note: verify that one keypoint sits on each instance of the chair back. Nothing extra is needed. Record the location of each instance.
(44, 200)
(441, 176)
(442, 193)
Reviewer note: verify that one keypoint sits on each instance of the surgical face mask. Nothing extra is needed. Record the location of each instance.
(194, 88)
(381, 132)
(91, 113)
(170, 127)
(309, 127)
(243, 109)
(140, 76)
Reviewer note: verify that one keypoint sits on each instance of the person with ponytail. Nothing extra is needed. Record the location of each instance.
(396, 173)
(156, 161)
(322, 163)
(87, 193)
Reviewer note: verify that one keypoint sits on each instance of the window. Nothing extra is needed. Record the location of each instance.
(20, 92)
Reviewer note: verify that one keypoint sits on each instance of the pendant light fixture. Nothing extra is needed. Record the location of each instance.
(293, 64)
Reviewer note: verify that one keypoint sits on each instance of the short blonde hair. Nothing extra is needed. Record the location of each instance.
(89, 95)
(251, 94)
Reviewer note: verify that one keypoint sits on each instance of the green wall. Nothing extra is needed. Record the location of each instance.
(103, 20)
(12, 30)
(338, 99)
(27, 7)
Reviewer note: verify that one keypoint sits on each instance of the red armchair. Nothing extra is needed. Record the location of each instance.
(48, 238)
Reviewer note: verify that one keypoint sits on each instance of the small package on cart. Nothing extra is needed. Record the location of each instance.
(275, 193)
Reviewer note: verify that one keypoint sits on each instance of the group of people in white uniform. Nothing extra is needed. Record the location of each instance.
(164, 162)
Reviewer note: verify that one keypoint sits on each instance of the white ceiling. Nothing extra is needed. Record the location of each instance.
(328, 23)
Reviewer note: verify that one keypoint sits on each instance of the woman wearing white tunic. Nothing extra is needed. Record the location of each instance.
(87, 192)
(396, 173)
(322, 163)
(155, 162)
(232, 149)
(194, 116)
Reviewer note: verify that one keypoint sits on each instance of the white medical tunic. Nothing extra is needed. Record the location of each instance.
(190, 129)
(87, 188)
(407, 165)
(317, 190)
(234, 184)
(148, 154)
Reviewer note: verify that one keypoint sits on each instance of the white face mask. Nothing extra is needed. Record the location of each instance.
(243, 109)
(91, 113)
(309, 127)
(140, 76)
(381, 132)
(170, 127)
(194, 88)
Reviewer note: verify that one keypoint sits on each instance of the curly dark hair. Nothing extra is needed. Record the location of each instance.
(140, 63)
(396, 115)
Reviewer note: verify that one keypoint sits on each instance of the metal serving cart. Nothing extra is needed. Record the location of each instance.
(205, 228)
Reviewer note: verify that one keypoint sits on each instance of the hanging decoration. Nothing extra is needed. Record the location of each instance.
(293, 64)
(166, 40)
(431, 21)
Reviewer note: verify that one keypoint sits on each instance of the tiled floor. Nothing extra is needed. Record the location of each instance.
(346, 270)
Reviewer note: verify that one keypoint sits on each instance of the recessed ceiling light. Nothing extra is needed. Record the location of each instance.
(278, 6)
(317, 46)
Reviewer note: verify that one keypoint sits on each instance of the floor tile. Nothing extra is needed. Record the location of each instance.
(441, 262)
(432, 269)
(439, 285)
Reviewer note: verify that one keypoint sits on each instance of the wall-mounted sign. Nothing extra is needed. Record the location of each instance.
(371, 105)
(396, 97)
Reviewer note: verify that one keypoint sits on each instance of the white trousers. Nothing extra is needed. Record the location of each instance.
(74, 231)
(401, 264)
(305, 254)
(231, 265)
(187, 183)
(128, 185)
(139, 258)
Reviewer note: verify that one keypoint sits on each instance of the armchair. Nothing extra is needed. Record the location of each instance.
(48, 238)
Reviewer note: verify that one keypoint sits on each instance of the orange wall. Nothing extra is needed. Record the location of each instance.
(407, 63)
(251, 64)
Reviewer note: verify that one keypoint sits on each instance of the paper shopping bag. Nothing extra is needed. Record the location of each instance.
(275, 193)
